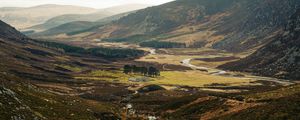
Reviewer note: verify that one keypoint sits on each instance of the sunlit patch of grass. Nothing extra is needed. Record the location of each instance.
(208, 64)
(187, 78)
(196, 79)
(105, 76)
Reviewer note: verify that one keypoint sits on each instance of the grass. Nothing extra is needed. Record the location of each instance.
(209, 64)
(175, 56)
(187, 78)
(109, 76)
(196, 79)
(165, 59)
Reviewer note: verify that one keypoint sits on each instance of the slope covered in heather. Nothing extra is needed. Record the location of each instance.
(25, 62)
(232, 25)
(279, 58)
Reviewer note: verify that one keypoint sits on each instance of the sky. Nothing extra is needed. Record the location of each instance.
(86, 3)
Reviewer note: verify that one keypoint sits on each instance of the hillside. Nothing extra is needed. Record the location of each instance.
(9, 32)
(97, 80)
(99, 14)
(66, 28)
(220, 24)
(279, 58)
(163, 18)
(76, 27)
(63, 19)
(22, 56)
(25, 17)
(24, 62)
(262, 22)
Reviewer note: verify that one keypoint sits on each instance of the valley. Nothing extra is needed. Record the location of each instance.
(181, 60)
(178, 69)
(179, 79)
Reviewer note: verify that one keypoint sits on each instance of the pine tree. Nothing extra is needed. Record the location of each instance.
(127, 69)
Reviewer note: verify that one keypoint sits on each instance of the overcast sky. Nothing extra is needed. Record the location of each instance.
(87, 3)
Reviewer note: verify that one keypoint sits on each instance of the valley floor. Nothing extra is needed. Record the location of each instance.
(190, 86)
(190, 67)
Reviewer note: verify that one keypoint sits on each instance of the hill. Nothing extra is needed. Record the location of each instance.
(9, 32)
(25, 62)
(77, 27)
(279, 58)
(25, 17)
(220, 24)
(102, 13)
(63, 19)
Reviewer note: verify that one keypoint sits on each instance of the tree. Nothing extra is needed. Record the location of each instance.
(144, 71)
(152, 71)
(127, 69)
(135, 69)
(157, 73)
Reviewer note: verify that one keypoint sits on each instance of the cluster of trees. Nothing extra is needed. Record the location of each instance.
(130, 39)
(83, 30)
(162, 44)
(99, 51)
(151, 71)
(115, 53)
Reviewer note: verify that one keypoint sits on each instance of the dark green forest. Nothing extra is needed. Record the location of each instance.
(97, 51)
(151, 71)
(161, 44)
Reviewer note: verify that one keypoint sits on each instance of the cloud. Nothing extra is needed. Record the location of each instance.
(87, 3)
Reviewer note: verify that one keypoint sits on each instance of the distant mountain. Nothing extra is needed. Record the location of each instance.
(77, 27)
(125, 8)
(26, 17)
(102, 13)
(66, 29)
(232, 25)
(63, 19)
(279, 58)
